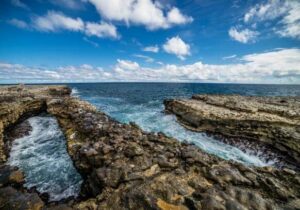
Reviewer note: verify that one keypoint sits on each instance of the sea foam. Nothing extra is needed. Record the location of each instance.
(43, 157)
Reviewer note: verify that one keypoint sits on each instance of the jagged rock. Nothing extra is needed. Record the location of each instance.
(126, 168)
(10, 176)
(161, 172)
(19, 102)
(16, 177)
(10, 199)
(270, 121)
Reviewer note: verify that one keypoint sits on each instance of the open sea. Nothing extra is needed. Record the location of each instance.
(42, 155)
(142, 103)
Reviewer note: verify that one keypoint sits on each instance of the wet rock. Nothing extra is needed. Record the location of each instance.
(16, 177)
(267, 121)
(10, 176)
(135, 165)
(10, 198)
(126, 168)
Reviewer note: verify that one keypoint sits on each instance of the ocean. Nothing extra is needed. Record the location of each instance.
(43, 157)
(142, 103)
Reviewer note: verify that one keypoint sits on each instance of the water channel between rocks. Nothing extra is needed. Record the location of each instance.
(42, 156)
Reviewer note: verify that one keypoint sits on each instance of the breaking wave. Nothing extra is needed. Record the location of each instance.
(43, 158)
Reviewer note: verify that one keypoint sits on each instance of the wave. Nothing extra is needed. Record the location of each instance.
(43, 157)
(75, 92)
(150, 117)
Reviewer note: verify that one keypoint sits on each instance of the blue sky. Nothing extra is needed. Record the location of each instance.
(145, 40)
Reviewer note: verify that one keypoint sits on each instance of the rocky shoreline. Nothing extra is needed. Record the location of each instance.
(270, 122)
(124, 167)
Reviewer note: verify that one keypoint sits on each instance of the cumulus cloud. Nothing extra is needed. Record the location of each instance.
(175, 17)
(277, 66)
(18, 23)
(153, 49)
(101, 30)
(127, 65)
(285, 13)
(140, 12)
(178, 47)
(243, 36)
(56, 21)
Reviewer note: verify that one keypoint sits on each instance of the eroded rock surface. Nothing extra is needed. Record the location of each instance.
(127, 168)
(272, 121)
(16, 104)
(19, 102)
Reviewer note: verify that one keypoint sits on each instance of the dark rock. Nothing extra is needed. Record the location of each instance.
(126, 168)
(271, 122)
(13, 199)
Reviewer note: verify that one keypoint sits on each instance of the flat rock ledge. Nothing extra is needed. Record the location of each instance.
(125, 167)
(270, 121)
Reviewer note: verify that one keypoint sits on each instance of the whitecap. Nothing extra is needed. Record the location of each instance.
(43, 157)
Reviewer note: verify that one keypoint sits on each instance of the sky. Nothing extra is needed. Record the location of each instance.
(215, 41)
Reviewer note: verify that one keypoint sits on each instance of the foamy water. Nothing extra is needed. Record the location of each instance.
(150, 117)
(43, 157)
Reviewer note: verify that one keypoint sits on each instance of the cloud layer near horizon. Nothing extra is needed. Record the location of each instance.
(277, 66)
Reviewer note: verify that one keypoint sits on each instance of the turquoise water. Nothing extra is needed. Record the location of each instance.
(43, 157)
(142, 103)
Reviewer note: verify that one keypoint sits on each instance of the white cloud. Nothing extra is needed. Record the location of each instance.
(283, 59)
(140, 12)
(153, 49)
(175, 17)
(101, 30)
(127, 65)
(243, 36)
(229, 57)
(18, 23)
(268, 11)
(285, 13)
(291, 21)
(146, 58)
(178, 47)
(56, 21)
(277, 66)
(19, 3)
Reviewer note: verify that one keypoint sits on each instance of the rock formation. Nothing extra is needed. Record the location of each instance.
(270, 121)
(125, 167)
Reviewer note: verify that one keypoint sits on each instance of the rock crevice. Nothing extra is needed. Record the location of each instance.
(125, 167)
(269, 121)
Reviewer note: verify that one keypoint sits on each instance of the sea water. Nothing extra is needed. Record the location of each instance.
(42, 156)
(142, 103)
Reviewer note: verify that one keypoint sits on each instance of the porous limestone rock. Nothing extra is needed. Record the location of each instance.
(269, 121)
(124, 167)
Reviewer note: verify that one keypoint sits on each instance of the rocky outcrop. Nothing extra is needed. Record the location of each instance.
(16, 104)
(125, 167)
(19, 102)
(272, 121)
